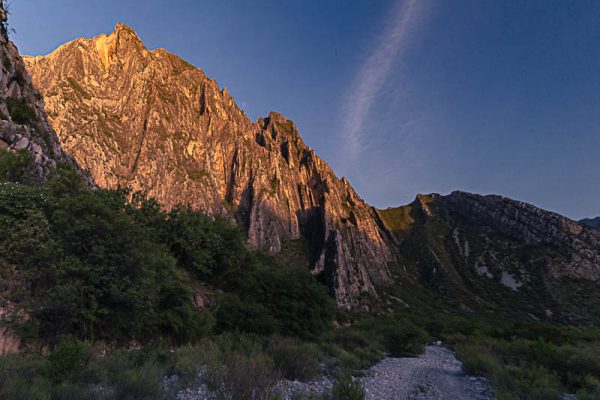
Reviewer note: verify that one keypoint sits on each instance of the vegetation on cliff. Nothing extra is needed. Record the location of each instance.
(92, 265)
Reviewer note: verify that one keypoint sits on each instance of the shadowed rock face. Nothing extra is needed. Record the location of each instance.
(579, 244)
(152, 122)
(493, 254)
(23, 124)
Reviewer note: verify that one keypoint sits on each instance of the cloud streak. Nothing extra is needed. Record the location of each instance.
(404, 16)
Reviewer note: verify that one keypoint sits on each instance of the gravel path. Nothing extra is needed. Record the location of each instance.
(437, 374)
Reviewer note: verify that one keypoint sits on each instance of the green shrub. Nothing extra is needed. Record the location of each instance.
(190, 359)
(294, 359)
(355, 348)
(20, 111)
(35, 389)
(243, 377)
(477, 360)
(237, 368)
(211, 249)
(139, 382)
(347, 389)
(93, 271)
(16, 167)
(537, 383)
(71, 391)
(403, 339)
(591, 388)
(237, 315)
(271, 298)
(66, 359)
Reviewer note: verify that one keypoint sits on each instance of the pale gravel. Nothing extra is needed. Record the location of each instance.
(435, 375)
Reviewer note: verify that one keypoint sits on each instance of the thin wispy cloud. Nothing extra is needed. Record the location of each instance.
(399, 28)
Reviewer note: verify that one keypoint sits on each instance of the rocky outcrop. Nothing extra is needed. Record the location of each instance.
(23, 124)
(147, 120)
(533, 226)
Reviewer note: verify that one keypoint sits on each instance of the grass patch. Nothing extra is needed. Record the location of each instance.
(197, 175)
(528, 360)
(78, 88)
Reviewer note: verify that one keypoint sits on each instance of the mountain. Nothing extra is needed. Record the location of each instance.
(148, 120)
(593, 222)
(23, 124)
(491, 254)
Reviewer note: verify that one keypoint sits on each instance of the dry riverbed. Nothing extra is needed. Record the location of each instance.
(436, 374)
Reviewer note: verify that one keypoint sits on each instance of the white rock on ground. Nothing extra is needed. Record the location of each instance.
(437, 374)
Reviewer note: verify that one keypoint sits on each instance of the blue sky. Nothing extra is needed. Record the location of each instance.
(400, 96)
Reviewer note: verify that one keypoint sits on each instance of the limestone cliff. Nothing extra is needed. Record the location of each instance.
(23, 124)
(147, 120)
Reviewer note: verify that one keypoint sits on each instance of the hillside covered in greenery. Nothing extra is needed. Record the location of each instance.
(93, 265)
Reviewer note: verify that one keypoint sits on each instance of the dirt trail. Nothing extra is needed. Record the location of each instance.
(435, 375)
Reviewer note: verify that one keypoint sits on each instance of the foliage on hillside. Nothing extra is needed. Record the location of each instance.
(526, 360)
(95, 266)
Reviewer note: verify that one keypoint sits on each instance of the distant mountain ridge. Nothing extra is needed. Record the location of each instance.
(593, 222)
(148, 120)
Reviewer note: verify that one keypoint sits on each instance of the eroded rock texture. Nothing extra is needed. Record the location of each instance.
(23, 124)
(579, 244)
(148, 120)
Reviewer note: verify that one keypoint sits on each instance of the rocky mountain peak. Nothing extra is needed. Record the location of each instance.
(155, 123)
(122, 40)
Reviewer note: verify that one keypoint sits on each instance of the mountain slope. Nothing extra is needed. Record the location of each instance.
(498, 256)
(23, 124)
(150, 121)
(593, 222)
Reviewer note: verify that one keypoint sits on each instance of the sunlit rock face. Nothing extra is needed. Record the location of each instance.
(147, 120)
(23, 124)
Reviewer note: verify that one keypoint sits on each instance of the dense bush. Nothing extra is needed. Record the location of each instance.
(232, 366)
(347, 388)
(90, 271)
(365, 342)
(108, 265)
(271, 298)
(16, 167)
(294, 359)
(20, 111)
(529, 360)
